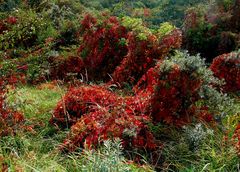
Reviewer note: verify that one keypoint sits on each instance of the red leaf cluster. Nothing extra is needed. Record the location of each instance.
(227, 67)
(97, 114)
(102, 47)
(108, 48)
(142, 55)
(104, 124)
(11, 20)
(79, 101)
(175, 93)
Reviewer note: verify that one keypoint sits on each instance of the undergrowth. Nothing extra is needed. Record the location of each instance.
(37, 149)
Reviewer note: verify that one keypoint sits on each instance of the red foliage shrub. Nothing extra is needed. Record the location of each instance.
(108, 123)
(103, 46)
(88, 22)
(174, 87)
(107, 47)
(227, 67)
(174, 96)
(11, 20)
(148, 81)
(142, 55)
(97, 114)
(79, 101)
(167, 93)
(8, 21)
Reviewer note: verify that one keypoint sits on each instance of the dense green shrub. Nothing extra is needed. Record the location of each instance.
(23, 31)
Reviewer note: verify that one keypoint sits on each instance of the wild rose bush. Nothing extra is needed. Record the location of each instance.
(227, 67)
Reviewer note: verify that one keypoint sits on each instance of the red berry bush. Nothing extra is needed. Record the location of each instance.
(227, 67)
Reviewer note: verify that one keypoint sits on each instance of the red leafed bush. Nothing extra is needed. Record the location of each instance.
(227, 67)
(174, 86)
(105, 123)
(85, 99)
(79, 101)
(175, 93)
(142, 55)
(97, 114)
(103, 46)
(8, 21)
